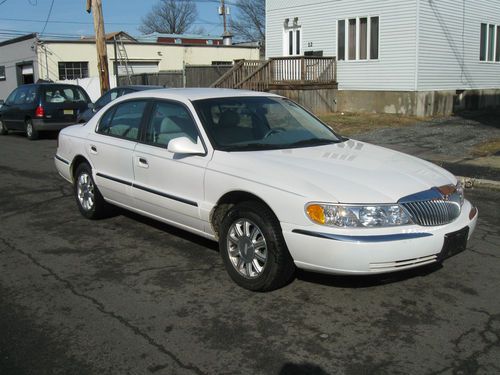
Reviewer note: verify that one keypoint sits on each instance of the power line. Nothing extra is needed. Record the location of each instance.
(2, 2)
(48, 16)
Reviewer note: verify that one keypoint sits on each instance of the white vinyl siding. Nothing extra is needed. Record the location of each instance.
(450, 45)
(395, 68)
(423, 45)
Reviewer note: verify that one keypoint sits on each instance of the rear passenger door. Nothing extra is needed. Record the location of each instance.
(169, 185)
(111, 149)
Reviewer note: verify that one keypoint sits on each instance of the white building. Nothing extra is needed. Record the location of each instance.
(403, 56)
(28, 58)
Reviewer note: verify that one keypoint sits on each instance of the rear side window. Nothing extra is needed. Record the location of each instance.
(123, 120)
(64, 94)
(21, 95)
(170, 120)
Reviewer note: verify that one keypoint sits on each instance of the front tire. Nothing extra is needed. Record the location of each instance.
(88, 198)
(3, 128)
(253, 248)
(31, 132)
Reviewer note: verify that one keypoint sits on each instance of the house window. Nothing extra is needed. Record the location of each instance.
(341, 40)
(73, 70)
(2, 73)
(292, 41)
(489, 43)
(359, 40)
(498, 44)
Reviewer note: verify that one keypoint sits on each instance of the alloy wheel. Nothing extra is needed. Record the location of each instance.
(247, 248)
(85, 191)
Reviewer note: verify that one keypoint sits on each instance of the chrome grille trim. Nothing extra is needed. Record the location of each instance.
(431, 207)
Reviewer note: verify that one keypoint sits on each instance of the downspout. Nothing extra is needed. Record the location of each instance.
(417, 44)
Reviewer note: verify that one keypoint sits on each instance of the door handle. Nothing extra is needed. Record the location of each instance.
(93, 149)
(142, 162)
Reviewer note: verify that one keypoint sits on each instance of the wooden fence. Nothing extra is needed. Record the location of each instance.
(191, 76)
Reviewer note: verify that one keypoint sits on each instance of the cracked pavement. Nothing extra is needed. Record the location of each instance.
(128, 295)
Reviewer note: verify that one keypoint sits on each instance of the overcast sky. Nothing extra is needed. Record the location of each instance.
(68, 17)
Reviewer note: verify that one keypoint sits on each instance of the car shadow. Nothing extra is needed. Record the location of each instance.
(366, 281)
(301, 369)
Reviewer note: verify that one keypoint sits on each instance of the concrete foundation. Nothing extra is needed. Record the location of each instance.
(417, 103)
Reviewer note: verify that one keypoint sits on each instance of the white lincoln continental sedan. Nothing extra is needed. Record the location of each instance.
(276, 187)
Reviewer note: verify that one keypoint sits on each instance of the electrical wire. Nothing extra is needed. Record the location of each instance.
(48, 16)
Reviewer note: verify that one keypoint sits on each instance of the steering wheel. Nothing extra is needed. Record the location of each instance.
(273, 131)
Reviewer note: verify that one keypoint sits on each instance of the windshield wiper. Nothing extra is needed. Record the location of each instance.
(313, 142)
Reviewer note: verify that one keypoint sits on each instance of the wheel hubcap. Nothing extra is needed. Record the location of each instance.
(247, 248)
(29, 129)
(85, 191)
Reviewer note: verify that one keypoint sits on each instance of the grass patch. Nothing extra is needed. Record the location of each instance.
(488, 148)
(354, 123)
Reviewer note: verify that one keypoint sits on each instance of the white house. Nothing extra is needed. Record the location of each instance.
(29, 58)
(419, 57)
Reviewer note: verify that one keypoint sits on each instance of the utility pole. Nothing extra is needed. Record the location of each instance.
(227, 37)
(95, 6)
(223, 9)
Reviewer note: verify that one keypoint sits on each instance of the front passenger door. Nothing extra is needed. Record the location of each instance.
(168, 185)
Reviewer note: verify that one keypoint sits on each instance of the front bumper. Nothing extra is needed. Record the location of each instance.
(370, 251)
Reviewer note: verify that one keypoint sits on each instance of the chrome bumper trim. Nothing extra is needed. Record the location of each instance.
(376, 238)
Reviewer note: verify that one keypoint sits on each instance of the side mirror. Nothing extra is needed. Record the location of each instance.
(2, 102)
(92, 106)
(184, 145)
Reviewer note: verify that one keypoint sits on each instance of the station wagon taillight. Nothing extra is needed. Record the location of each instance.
(39, 112)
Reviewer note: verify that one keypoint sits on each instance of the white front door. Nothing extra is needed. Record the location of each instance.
(167, 185)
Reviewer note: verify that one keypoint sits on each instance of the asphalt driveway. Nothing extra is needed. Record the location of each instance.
(128, 295)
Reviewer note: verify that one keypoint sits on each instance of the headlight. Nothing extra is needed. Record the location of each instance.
(349, 216)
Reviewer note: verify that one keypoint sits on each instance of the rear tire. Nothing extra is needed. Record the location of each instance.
(31, 132)
(88, 198)
(253, 248)
(3, 128)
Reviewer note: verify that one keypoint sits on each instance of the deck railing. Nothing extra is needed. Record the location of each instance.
(280, 71)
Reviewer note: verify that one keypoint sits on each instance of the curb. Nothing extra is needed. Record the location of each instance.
(470, 182)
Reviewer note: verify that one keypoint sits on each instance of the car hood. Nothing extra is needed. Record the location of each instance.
(347, 172)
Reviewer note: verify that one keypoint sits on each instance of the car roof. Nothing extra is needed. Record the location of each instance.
(140, 87)
(200, 93)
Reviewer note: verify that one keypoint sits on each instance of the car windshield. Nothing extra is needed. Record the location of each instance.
(261, 123)
(64, 94)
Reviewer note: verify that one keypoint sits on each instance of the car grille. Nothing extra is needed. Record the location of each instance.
(437, 206)
(431, 213)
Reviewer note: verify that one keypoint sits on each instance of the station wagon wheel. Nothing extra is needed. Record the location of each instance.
(31, 132)
(253, 248)
(88, 198)
(3, 128)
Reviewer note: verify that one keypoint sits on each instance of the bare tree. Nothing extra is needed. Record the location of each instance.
(170, 17)
(249, 22)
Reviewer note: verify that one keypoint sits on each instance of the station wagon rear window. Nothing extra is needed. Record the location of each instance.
(64, 94)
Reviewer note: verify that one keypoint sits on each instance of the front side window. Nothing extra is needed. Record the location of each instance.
(107, 98)
(73, 70)
(11, 97)
(2, 73)
(169, 121)
(257, 123)
(123, 120)
(358, 38)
